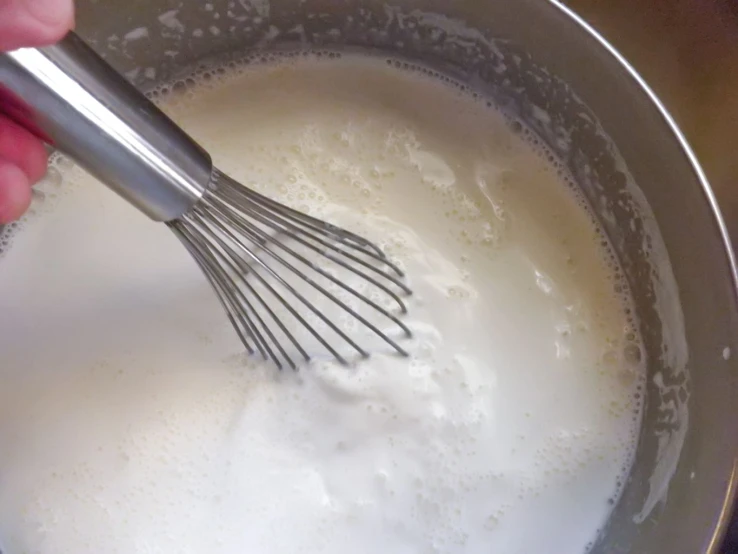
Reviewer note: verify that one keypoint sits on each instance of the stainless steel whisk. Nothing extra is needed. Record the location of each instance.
(267, 263)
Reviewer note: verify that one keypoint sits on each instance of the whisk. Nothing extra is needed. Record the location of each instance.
(267, 263)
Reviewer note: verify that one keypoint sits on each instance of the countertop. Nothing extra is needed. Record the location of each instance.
(687, 50)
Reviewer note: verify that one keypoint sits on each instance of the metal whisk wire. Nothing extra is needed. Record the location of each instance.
(242, 240)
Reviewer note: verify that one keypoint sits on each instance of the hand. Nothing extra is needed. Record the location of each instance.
(23, 158)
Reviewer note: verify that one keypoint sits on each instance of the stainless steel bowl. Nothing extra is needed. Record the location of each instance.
(535, 57)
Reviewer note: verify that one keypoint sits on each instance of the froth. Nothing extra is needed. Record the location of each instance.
(520, 402)
(213, 75)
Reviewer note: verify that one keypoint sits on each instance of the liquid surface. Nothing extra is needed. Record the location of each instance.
(130, 421)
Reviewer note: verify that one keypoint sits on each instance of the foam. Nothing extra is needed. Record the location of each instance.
(521, 401)
(211, 75)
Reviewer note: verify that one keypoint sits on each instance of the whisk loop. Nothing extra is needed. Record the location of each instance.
(255, 251)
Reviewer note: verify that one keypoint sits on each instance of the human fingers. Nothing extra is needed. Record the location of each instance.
(22, 149)
(15, 192)
(34, 22)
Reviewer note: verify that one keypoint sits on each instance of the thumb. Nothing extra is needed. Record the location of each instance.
(34, 22)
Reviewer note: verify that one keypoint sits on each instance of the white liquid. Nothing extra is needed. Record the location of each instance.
(131, 423)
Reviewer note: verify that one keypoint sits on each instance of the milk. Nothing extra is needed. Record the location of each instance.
(131, 421)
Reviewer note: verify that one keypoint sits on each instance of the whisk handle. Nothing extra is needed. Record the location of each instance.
(75, 101)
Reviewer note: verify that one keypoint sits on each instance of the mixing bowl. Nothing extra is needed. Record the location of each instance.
(539, 61)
